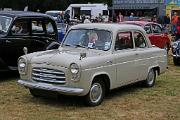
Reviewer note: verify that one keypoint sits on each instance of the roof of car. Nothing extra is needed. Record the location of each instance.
(107, 26)
(141, 23)
(22, 14)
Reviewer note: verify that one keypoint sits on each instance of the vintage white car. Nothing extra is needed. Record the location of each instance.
(92, 60)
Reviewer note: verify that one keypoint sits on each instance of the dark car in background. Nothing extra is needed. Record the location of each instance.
(19, 29)
(176, 52)
(154, 32)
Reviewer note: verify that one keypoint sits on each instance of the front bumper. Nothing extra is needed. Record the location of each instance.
(50, 87)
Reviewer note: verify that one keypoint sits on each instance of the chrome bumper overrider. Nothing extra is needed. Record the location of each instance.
(50, 87)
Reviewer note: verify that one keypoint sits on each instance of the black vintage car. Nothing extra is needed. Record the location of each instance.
(19, 29)
(176, 52)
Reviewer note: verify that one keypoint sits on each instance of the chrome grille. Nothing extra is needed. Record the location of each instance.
(47, 75)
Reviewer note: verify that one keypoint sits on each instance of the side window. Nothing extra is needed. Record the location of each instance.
(147, 28)
(139, 39)
(20, 27)
(156, 28)
(37, 27)
(49, 28)
(124, 41)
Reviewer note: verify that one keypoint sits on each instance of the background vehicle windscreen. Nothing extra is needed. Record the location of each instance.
(93, 39)
(4, 24)
(53, 14)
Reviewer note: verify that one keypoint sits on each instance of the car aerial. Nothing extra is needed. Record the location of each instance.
(93, 59)
(154, 32)
(19, 29)
(176, 52)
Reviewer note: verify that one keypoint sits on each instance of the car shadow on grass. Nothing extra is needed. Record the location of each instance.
(57, 100)
(8, 76)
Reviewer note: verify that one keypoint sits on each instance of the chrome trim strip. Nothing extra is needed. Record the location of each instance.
(48, 81)
(47, 71)
(50, 87)
(47, 75)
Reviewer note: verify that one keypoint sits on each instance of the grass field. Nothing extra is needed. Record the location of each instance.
(162, 102)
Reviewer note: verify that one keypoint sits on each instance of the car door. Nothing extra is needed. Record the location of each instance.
(125, 58)
(157, 36)
(150, 34)
(143, 54)
(39, 37)
(15, 41)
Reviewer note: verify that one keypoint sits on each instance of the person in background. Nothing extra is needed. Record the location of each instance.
(60, 17)
(154, 18)
(174, 22)
(167, 19)
(177, 30)
(120, 18)
(87, 20)
(114, 19)
(83, 18)
(67, 18)
(166, 23)
(131, 17)
(100, 18)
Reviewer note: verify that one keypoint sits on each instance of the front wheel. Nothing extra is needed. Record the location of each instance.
(150, 80)
(96, 93)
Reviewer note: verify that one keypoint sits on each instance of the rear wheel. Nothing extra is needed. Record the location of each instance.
(150, 80)
(96, 93)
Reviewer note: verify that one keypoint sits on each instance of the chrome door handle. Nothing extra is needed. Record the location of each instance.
(7, 41)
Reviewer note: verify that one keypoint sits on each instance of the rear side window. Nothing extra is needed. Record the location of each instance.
(156, 28)
(49, 28)
(147, 28)
(37, 27)
(124, 41)
(139, 39)
(20, 27)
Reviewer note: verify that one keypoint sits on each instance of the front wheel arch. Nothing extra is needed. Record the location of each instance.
(103, 82)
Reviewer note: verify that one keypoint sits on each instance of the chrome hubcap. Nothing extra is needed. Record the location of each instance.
(96, 92)
(150, 78)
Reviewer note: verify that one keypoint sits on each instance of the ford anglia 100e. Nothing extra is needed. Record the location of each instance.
(93, 59)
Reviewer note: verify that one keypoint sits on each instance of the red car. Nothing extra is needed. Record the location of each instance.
(154, 32)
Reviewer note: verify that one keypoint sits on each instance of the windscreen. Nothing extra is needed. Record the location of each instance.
(93, 39)
(4, 24)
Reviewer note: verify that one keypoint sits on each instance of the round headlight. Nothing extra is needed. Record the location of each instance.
(22, 66)
(74, 68)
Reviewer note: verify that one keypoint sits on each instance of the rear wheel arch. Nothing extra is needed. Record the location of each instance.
(157, 70)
